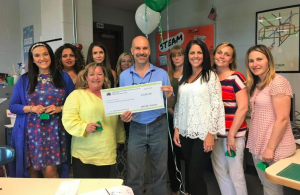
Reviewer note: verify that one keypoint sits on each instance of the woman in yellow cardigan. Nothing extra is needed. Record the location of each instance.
(93, 151)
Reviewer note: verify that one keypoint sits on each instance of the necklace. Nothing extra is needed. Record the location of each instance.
(44, 80)
(199, 74)
(75, 79)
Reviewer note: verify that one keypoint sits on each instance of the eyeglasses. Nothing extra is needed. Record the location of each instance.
(133, 83)
(178, 55)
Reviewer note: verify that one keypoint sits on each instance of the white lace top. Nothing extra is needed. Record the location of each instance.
(199, 108)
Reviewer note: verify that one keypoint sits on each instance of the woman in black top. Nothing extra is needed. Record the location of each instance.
(175, 68)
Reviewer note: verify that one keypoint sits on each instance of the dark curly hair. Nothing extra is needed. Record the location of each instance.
(79, 58)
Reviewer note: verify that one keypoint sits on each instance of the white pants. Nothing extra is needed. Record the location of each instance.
(270, 188)
(229, 171)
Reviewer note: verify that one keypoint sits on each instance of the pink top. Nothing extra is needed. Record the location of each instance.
(263, 119)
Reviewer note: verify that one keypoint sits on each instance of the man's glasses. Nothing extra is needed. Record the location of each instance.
(133, 83)
(177, 55)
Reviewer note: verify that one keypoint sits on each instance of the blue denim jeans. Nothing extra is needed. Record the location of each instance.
(153, 137)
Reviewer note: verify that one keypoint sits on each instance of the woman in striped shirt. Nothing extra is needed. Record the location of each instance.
(229, 170)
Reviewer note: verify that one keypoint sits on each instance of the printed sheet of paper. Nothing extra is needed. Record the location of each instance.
(136, 98)
(120, 190)
(68, 187)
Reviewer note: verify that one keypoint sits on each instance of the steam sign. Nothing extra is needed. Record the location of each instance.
(171, 42)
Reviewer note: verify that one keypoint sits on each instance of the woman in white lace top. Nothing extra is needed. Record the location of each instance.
(199, 113)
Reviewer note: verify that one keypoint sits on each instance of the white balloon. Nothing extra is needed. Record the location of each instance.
(152, 19)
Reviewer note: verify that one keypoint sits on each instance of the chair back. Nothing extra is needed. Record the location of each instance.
(7, 154)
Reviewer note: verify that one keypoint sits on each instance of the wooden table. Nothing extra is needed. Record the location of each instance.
(32, 186)
(272, 170)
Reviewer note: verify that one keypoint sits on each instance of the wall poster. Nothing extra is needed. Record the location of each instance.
(278, 29)
(182, 37)
(27, 40)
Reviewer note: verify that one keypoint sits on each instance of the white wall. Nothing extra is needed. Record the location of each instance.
(57, 22)
(235, 23)
(51, 22)
(117, 17)
(30, 14)
(10, 39)
(84, 23)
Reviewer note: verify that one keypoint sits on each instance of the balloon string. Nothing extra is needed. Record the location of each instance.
(146, 22)
(160, 29)
(168, 24)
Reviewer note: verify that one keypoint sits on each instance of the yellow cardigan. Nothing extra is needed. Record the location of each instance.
(99, 148)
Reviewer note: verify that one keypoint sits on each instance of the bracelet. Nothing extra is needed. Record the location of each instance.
(61, 108)
(30, 109)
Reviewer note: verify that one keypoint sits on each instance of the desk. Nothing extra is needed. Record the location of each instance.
(279, 166)
(32, 186)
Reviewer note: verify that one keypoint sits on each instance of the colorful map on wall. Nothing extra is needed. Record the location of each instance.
(278, 29)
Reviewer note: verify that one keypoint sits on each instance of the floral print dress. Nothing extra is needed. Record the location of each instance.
(46, 141)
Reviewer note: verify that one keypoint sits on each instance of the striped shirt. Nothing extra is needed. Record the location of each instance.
(230, 86)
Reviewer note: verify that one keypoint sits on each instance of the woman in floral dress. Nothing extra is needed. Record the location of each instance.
(40, 144)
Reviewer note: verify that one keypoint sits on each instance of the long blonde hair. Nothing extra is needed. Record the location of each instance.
(118, 65)
(252, 79)
(83, 75)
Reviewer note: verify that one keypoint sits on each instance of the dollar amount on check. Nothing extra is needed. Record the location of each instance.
(136, 98)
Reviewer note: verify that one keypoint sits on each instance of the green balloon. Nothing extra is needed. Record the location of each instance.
(157, 5)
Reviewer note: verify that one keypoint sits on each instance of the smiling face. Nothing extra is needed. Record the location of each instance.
(140, 50)
(223, 57)
(126, 62)
(258, 64)
(68, 58)
(95, 78)
(195, 56)
(98, 54)
(41, 58)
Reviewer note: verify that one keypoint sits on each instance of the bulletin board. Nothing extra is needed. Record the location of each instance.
(182, 37)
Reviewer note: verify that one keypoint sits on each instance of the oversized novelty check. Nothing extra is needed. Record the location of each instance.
(136, 98)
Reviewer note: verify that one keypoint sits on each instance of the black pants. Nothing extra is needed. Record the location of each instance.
(173, 174)
(196, 159)
(81, 170)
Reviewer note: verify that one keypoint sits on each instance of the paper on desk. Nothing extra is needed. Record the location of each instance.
(120, 190)
(102, 191)
(2, 100)
(117, 190)
(297, 141)
(68, 187)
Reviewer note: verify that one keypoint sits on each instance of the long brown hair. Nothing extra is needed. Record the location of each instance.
(177, 49)
(106, 61)
(206, 64)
